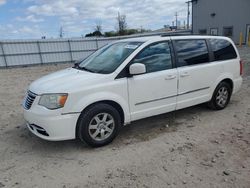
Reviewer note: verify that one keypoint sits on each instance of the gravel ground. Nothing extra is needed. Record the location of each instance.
(193, 147)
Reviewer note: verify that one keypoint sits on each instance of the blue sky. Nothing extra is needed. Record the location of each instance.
(22, 19)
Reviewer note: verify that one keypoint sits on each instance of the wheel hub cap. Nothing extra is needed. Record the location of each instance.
(101, 126)
(222, 96)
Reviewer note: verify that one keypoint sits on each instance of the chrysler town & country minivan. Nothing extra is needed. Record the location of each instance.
(129, 80)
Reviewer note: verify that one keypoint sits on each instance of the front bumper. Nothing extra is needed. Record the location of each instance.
(51, 127)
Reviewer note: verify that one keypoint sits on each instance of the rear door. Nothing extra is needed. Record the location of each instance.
(195, 72)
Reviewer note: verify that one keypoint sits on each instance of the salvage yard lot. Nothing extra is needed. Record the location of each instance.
(193, 147)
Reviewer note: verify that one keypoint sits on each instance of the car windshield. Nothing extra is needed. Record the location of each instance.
(107, 59)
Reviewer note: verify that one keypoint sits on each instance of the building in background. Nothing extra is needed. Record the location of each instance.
(222, 17)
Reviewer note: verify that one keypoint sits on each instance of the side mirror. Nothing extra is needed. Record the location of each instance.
(137, 68)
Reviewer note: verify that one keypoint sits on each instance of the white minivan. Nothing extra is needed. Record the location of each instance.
(129, 80)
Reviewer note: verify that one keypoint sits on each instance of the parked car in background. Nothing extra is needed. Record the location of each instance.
(129, 80)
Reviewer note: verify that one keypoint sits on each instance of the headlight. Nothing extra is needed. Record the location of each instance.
(53, 101)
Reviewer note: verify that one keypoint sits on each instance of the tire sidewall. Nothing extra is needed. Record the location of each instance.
(86, 117)
(229, 89)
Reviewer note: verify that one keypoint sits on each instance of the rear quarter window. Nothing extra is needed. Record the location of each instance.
(222, 49)
(191, 52)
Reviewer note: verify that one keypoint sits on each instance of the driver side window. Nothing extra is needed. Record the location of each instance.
(156, 57)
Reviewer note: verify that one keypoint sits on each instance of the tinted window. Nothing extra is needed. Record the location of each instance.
(155, 57)
(228, 31)
(202, 31)
(222, 49)
(191, 52)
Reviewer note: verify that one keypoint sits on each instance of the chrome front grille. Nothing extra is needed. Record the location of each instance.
(28, 100)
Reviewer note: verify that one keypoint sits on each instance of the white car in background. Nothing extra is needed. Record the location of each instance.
(129, 80)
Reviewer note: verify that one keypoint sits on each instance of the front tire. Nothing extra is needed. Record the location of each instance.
(221, 96)
(98, 125)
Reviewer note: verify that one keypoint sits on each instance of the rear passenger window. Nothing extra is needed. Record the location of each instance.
(191, 52)
(156, 57)
(222, 49)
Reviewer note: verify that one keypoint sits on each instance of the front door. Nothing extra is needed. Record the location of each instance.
(155, 91)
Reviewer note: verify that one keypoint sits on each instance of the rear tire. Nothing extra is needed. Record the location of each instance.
(98, 125)
(221, 96)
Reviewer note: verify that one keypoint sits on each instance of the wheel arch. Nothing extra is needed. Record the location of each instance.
(112, 103)
(229, 81)
(228, 78)
(212, 104)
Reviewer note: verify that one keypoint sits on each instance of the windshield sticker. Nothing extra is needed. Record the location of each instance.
(130, 46)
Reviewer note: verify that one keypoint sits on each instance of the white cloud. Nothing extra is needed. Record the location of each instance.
(26, 29)
(55, 8)
(12, 32)
(80, 16)
(2, 2)
(145, 13)
(30, 18)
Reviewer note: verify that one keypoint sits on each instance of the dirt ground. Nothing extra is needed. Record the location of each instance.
(194, 147)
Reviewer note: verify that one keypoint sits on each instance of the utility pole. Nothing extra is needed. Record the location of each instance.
(176, 20)
(61, 32)
(188, 13)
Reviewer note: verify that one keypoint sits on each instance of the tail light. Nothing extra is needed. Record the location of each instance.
(241, 67)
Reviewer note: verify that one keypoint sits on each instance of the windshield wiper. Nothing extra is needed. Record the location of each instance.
(76, 66)
(86, 69)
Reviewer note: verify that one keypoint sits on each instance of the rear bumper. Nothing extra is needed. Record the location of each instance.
(237, 84)
(53, 128)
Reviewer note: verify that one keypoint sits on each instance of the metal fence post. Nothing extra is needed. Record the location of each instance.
(4, 55)
(96, 42)
(70, 51)
(39, 51)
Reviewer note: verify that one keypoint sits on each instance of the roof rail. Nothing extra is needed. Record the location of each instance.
(175, 34)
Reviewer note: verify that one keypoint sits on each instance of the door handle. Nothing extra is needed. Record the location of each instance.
(170, 77)
(184, 74)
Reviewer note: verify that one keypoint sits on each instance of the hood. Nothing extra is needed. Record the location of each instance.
(65, 81)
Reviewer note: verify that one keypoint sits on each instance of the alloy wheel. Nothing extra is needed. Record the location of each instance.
(222, 96)
(101, 126)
